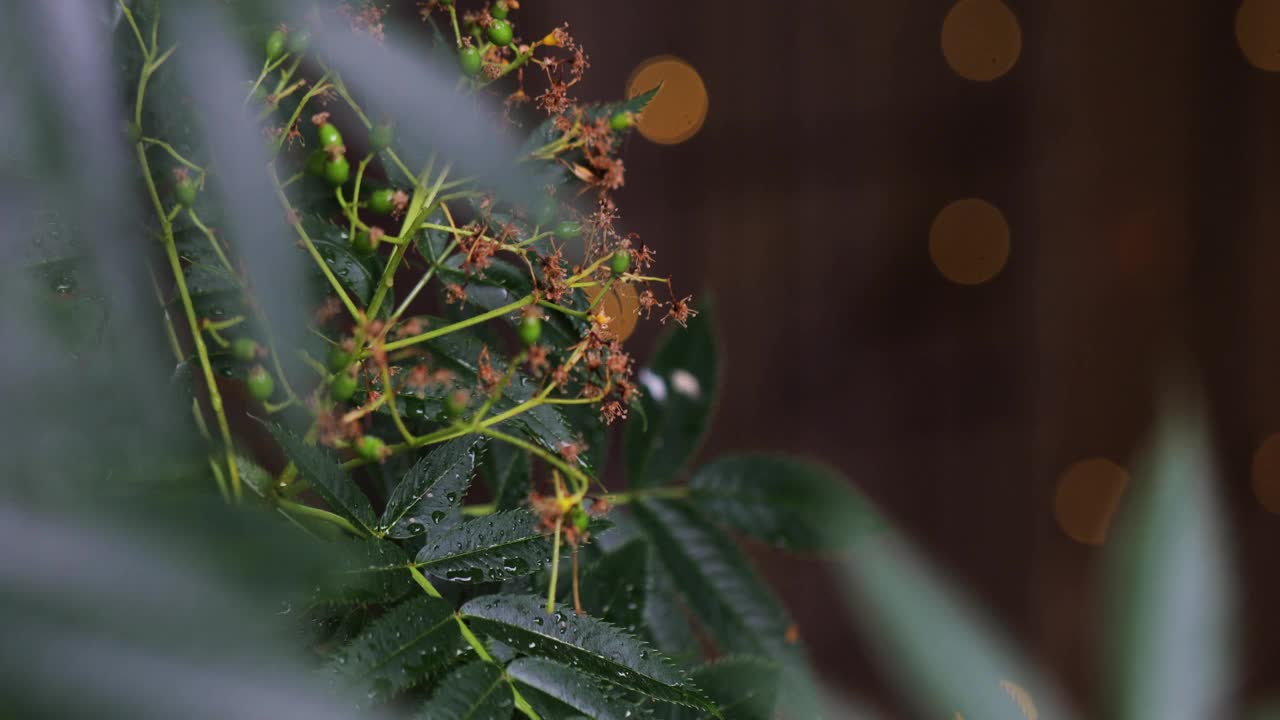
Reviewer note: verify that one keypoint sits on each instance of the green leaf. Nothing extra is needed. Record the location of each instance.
(460, 352)
(356, 275)
(492, 548)
(400, 649)
(587, 694)
(666, 619)
(476, 691)
(322, 471)
(254, 476)
(717, 582)
(787, 502)
(745, 688)
(432, 489)
(367, 573)
(590, 645)
(679, 393)
(509, 475)
(1171, 640)
(944, 656)
(614, 588)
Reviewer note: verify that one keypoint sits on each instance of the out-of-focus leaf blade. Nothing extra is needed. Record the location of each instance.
(718, 583)
(613, 589)
(680, 385)
(944, 655)
(1170, 643)
(787, 502)
(744, 687)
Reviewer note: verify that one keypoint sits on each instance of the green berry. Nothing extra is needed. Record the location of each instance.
(299, 42)
(382, 201)
(315, 162)
(244, 348)
(343, 387)
(621, 121)
(500, 33)
(185, 191)
(568, 230)
(469, 58)
(620, 261)
(133, 132)
(260, 383)
(499, 10)
(371, 448)
(456, 403)
(338, 359)
(363, 243)
(337, 170)
(530, 329)
(381, 137)
(581, 521)
(275, 44)
(330, 136)
(475, 31)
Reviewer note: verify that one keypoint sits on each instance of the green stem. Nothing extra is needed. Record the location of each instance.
(315, 254)
(461, 324)
(424, 583)
(581, 480)
(555, 568)
(659, 493)
(453, 18)
(316, 89)
(175, 264)
(318, 514)
(128, 15)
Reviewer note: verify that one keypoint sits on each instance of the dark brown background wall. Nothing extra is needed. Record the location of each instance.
(1133, 151)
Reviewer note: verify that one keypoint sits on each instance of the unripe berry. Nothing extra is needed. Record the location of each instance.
(371, 448)
(275, 44)
(620, 261)
(244, 348)
(530, 330)
(343, 387)
(381, 137)
(500, 33)
(260, 383)
(330, 136)
(337, 170)
(470, 60)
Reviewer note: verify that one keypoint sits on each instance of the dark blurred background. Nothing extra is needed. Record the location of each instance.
(986, 389)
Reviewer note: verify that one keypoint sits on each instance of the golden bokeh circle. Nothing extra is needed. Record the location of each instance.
(1265, 473)
(981, 39)
(677, 112)
(1087, 496)
(1258, 33)
(622, 305)
(969, 241)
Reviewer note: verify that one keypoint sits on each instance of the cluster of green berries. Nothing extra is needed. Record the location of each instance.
(343, 385)
(258, 380)
(278, 41)
(500, 33)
